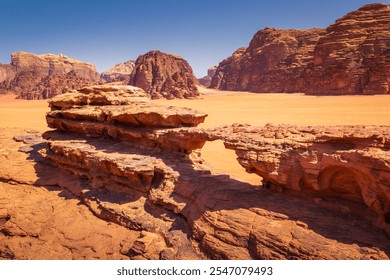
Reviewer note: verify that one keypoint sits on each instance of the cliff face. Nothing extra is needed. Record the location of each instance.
(119, 73)
(43, 76)
(206, 80)
(349, 57)
(164, 75)
(353, 57)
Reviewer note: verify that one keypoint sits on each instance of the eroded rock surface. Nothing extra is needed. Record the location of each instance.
(323, 187)
(206, 80)
(350, 162)
(351, 56)
(164, 75)
(119, 73)
(33, 76)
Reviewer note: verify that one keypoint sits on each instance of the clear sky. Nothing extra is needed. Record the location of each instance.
(106, 32)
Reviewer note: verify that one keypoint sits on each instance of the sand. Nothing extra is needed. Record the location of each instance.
(236, 107)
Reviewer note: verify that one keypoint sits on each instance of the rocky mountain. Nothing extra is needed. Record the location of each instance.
(33, 76)
(353, 57)
(164, 75)
(349, 57)
(119, 73)
(206, 80)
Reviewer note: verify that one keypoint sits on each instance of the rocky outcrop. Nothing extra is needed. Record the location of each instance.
(147, 175)
(350, 162)
(206, 80)
(33, 76)
(119, 73)
(164, 75)
(353, 56)
(349, 57)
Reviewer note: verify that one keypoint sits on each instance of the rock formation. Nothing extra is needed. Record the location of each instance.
(164, 75)
(33, 76)
(350, 162)
(138, 165)
(206, 80)
(119, 73)
(349, 57)
(273, 62)
(353, 57)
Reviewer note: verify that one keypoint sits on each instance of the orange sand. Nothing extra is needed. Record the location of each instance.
(233, 107)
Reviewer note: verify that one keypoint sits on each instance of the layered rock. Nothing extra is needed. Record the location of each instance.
(349, 57)
(350, 162)
(119, 73)
(33, 76)
(148, 176)
(273, 62)
(164, 75)
(206, 80)
(353, 56)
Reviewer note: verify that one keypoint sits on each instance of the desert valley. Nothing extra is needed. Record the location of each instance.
(281, 152)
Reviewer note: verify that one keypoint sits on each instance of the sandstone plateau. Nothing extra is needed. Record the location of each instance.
(33, 76)
(119, 73)
(164, 75)
(351, 56)
(137, 167)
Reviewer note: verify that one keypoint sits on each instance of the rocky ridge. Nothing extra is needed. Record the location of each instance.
(33, 76)
(164, 75)
(348, 57)
(149, 177)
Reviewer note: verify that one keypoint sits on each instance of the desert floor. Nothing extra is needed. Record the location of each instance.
(236, 107)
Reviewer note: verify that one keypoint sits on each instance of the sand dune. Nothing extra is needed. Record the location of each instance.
(235, 107)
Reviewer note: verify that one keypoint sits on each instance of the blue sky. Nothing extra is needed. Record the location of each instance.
(108, 32)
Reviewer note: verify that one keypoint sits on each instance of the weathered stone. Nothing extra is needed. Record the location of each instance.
(349, 57)
(164, 75)
(33, 76)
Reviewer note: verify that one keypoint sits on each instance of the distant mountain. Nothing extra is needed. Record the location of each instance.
(351, 56)
(119, 73)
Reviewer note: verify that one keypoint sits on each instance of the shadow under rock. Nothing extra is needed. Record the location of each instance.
(202, 192)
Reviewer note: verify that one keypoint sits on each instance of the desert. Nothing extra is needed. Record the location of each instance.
(281, 152)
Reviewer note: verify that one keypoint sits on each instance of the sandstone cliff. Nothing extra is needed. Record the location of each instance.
(137, 164)
(206, 80)
(119, 73)
(164, 75)
(349, 57)
(33, 76)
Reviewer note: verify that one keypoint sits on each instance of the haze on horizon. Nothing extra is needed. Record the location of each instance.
(109, 32)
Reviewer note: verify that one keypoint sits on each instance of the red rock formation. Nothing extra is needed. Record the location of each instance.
(164, 75)
(349, 57)
(350, 162)
(273, 62)
(45, 76)
(119, 73)
(206, 80)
